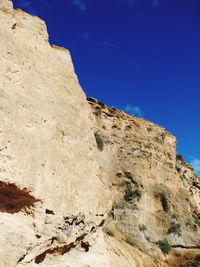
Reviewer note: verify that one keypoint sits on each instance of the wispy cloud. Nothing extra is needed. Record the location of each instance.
(196, 165)
(79, 4)
(27, 6)
(156, 3)
(132, 110)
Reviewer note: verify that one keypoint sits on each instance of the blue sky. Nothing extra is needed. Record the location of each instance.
(142, 56)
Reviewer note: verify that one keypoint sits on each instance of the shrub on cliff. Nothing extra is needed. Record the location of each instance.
(197, 258)
(174, 228)
(119, 204)
(130, 241)
(196, 262)
(164, 246)
(99, 141)
(142, 227)
(131, 194)
(196, 219)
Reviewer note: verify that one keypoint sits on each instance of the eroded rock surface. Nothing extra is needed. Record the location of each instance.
(82, 184)
(155, 194)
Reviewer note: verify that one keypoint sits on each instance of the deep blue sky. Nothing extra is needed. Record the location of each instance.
(139, 55)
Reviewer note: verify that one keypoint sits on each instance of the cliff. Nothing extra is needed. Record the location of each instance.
(82, 184)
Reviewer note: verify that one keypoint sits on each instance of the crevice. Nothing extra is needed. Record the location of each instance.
(178, 246)
(85, 245)
(47, 211)
(22, 258)
(101, 223)
(51, 240)
(69, 221)
(59, 250)
(14, 26)
(185, 247)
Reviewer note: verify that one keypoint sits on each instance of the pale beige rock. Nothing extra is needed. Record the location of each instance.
(155, 195)
(44, 120)
(6, 4)
(47, 144)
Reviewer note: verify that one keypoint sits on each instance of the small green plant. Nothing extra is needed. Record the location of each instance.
(196, 262)
(142, 227)
(99, 141)
(119, 204)
(197, 258)
(108, 232)
(174, 228)
(131, 194)
(174, 216)
(196, 219)
(164, 246)
(130, 241)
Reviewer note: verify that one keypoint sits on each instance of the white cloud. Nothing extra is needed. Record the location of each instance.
(156, 3)
(196, 165)
(79, 4)
(132, 110)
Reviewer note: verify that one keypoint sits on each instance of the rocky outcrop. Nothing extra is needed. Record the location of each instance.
(82, 184)
(155, 193)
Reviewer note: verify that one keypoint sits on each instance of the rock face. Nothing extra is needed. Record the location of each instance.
(48, 152)
(155, 194)
(82, 184)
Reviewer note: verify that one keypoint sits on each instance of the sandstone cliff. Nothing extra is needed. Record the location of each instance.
(155, 194)
(82, 184)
